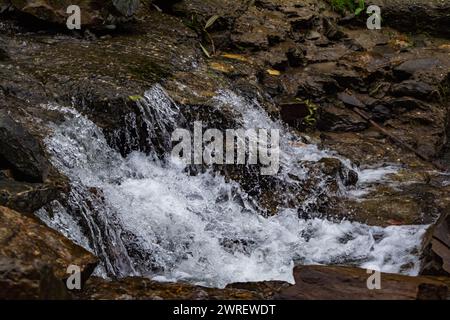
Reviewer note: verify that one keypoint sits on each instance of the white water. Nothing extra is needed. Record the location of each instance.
(199, 228)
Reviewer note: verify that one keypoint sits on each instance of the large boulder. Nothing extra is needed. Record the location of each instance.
(22, 280)
(33, 256)
(334, 283)
(338, 283)
(436, 255)
(27, 179)
(93, 12)
(21, 150)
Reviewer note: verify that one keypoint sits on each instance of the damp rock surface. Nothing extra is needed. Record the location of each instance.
(85, 127)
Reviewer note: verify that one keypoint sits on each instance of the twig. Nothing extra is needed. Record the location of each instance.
(399, 141)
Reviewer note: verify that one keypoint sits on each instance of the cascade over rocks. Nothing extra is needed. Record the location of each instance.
(296, 60)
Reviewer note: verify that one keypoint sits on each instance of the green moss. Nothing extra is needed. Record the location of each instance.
(149, 71)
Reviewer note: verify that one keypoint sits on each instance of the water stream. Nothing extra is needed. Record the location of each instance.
(145, 216)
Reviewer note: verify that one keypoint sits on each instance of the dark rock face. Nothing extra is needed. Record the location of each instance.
(20, 149)
(28, 240)
(334, 118)
(27, 181)
(267, 50)
(416, 15)
(413, 88)
(34, 258)
(334, 283)
(411, 67)
(436, 259)
(93, 12)
(312, 282)
(24, 196)
(334, 167)
(3, 53)
(145, 289)
(126, 7)
(258, 28)
(29, 281)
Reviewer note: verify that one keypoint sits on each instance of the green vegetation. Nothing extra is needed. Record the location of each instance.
(135, 98)
(202, 30)
(355, 6)
(311, 119)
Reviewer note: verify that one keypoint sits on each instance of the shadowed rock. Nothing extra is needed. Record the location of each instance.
(437, 248)
(416, 15)
(22, 150)
(29, 241)
(93, 12)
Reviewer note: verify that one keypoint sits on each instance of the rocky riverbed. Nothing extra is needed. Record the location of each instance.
(82, 112)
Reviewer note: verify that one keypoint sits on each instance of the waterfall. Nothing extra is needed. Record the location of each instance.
(143, 215)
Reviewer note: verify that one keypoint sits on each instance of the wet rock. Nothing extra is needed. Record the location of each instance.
(312, 282)
(126, 7)
(106, 75)
(22, 151)
(281, 56)
(228, 10)
(294, 113)
(259, 28)
(427, 134)
(412, 88)
(337, 118)
(92, 14)
(5, 5)
(27, 197)
(28, 180)
(313, 35)
(268, 289)
(403, 104)
(350, 100)
(145, 289)
(409, 202)
(369, 148)
(381, 112)
(334, 167)
(410, 67)
(436, 253)
(331, 30)
(29, 241)
(20, 280)
(416, 15)
(335, 283)
(3, 54)
(329, 53)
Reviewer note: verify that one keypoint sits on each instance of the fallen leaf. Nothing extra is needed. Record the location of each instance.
(221, 67)
(273, 72)
(234, 56)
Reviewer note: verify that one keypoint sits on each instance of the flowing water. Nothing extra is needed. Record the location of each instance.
(143, 215)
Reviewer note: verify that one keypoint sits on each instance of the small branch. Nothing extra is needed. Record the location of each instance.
(363, 115)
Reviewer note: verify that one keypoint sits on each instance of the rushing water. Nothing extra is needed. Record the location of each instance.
(146, 216)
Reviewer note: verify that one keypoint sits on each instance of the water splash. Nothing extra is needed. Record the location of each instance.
(146, 216)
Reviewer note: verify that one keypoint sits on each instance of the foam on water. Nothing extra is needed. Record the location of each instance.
(204, 230)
